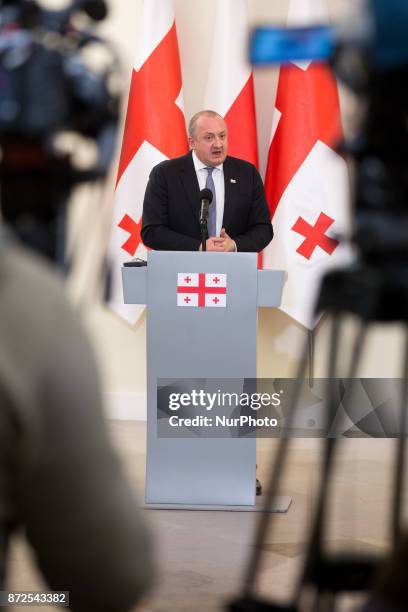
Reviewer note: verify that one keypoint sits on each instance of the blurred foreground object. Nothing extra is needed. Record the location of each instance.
(59, 478)
(370, 54)
(390, 589)
(51, 94)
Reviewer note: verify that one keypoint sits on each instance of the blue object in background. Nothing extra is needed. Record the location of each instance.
(270, 45)
(384, 42)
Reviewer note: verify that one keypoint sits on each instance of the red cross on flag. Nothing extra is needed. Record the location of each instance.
(306, 181)
(201, 290)
(154, 131)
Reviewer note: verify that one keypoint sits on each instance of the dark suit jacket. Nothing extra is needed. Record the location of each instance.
(171, 206)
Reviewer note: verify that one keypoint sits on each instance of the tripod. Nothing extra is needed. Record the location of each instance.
(373, 295)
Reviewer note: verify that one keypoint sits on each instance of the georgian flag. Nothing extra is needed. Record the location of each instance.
(230, 82)
(154, 131)
(201, 290)
(306, 180)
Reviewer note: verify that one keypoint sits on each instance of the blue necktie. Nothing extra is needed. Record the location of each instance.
(212, 217)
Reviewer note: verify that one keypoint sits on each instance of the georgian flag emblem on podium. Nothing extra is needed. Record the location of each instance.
(201, 290)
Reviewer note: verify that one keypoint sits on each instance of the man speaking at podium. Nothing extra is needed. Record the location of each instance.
(239, 218)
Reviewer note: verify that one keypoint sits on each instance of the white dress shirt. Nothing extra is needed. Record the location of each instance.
(218, 178)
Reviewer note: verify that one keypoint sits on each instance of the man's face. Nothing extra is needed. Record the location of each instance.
(210, 140)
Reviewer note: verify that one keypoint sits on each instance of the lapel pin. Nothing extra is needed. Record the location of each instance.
(233, 181)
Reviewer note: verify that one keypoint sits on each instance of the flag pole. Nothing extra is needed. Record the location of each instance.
(311, 337)
(310, 356)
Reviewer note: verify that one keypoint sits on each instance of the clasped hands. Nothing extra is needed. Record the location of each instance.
(222, 243)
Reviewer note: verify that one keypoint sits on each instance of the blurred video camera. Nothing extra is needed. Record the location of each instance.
(57, 91)
(369, 52)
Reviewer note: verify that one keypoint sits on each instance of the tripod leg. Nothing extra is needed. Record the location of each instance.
(310, 337)
(357, 350)
(400, 452)
(314, 549)
(324, 602)
(61, 228)
(329, 602)
(275, 473)
(356, 353)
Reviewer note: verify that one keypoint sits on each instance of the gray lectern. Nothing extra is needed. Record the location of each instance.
(200, 333)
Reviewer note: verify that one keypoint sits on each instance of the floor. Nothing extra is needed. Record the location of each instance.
(203, 555)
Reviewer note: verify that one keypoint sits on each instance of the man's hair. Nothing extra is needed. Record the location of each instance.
(194, 118)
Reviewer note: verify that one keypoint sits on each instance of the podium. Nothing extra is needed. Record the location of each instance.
(203, 341)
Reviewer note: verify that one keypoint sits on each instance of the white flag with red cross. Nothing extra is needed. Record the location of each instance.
(230, 83)
(306, 180)
(201, 290)
(154, 131)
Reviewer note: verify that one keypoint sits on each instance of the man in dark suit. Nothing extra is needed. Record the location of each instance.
(239, 214)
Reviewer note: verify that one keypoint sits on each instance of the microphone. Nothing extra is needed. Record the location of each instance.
(206, 197)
